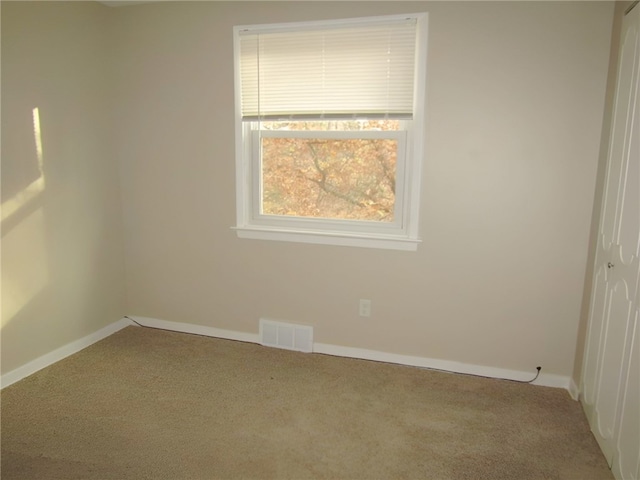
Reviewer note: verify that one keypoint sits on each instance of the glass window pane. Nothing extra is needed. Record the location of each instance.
(350, 179)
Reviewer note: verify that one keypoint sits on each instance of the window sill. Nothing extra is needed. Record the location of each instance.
(366, 240)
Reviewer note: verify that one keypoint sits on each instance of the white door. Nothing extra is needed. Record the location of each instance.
(626, 461)
(611, 370)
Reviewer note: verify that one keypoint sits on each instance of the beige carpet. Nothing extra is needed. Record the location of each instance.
(149, 404)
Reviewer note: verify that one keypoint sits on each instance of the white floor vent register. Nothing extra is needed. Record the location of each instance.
(286, 335)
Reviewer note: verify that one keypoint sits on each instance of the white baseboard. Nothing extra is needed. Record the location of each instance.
(544, 379)
(574, 391)
(196, 329)
(60, 353)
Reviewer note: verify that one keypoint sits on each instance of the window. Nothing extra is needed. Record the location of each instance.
(329, 130)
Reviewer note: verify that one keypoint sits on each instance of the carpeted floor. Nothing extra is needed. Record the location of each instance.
(150, 404)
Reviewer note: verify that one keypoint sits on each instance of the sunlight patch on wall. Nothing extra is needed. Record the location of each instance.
(24, 255)
(14, 204)
(24, 265)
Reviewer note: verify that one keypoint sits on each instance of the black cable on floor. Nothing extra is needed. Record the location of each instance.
(439, 370)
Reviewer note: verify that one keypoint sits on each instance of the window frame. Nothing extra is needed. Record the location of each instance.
(402, 233)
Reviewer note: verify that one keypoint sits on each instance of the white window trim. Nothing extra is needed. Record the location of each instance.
(342, 233)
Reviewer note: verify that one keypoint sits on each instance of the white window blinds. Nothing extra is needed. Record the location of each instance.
(363, 70)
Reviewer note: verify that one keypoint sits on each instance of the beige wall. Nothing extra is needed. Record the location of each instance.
(620, 9)
(62, 249)
(516, 95)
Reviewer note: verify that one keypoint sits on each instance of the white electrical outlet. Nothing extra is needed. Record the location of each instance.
(365, 307)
